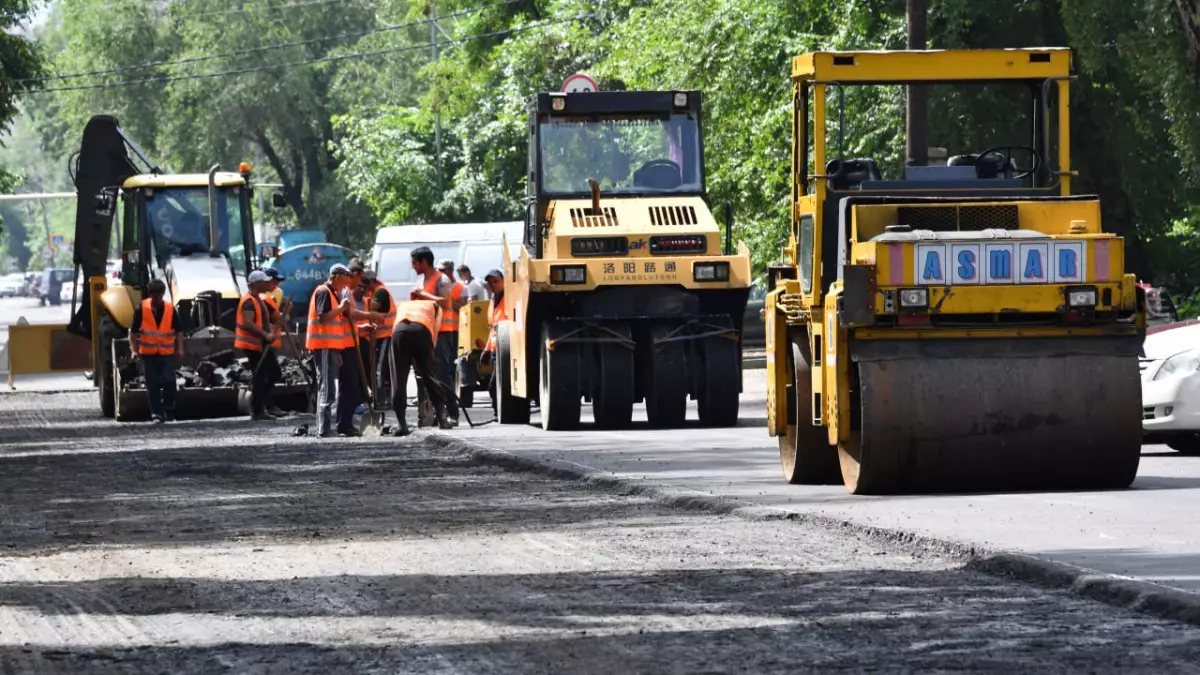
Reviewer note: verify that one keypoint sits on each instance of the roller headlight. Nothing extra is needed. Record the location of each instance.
(914, 298)
(1081, 297)
(717, 271)
(1181, 364)
(568, 274)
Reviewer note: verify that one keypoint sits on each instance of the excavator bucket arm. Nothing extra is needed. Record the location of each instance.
(102, 166)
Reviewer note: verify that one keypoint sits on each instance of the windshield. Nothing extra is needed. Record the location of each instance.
(631, 154)
(178, 219)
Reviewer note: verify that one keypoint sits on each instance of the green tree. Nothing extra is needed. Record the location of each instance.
(20, 62)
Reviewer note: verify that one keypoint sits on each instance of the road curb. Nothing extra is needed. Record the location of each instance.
(1122, 592)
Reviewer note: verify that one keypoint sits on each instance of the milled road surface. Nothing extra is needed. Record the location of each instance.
(1149, 532)
(202, 548)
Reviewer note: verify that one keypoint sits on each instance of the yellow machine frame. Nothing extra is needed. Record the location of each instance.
(816, 307)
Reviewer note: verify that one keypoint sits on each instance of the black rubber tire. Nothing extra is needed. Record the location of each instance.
(612, 403)
(559, 385)
(665, 369)
(509, 409)
(104, 372)
(805, 454)
(720, 389)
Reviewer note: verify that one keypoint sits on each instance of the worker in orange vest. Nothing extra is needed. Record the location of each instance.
(413, 340)
(497, 312)
(447, 341)
(434, 286)
(377, 298)
(258, 339)
(157, 335)
(329, 336)
(278, 311)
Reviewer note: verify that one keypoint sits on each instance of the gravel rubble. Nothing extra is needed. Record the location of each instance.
(224, 546)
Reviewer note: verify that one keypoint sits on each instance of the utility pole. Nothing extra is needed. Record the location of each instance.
(437, 129)
(916, 108)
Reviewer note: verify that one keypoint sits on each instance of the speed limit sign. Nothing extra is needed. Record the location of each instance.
(579, 83)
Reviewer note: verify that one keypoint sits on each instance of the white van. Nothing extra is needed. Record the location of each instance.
(477, 245)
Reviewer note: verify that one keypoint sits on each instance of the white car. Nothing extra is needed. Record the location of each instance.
(68, 290)
(1171, 388)
(10, 285)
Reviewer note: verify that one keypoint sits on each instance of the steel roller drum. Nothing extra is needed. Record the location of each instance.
(994, 414)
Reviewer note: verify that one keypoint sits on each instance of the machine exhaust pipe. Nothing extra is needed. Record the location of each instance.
(212, 210)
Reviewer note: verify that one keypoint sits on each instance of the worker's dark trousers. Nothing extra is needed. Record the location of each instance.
(383, 357)
(447, 350)
(264, 379)
(160, 384)
(328, 363)
(349, 389)
(412, 349)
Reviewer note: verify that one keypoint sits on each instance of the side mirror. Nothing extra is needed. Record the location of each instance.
(278, 200)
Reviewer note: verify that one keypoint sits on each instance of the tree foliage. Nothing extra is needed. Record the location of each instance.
(380, 132)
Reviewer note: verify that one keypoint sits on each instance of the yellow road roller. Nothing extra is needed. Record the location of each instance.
(621, 290)
(962, 325)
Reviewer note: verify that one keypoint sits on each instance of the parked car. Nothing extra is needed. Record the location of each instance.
(754, 331)
(68, 292)
(50, 285)
(113, 272)
(1170, 367)
(10, 285)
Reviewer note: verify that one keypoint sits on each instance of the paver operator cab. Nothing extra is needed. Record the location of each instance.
(165, 232)
(621, 291)
(969, 326)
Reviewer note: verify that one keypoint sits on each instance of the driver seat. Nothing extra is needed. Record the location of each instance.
(991, 167)
(658, 176)
(847, 174)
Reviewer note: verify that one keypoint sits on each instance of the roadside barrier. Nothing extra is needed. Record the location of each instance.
(36, 349)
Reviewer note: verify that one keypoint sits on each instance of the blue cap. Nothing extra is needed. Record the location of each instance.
(494, 273)
(273, 273)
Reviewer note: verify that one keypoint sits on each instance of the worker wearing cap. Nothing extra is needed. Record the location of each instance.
(446, 351)
(279, 310)
(329, 335)
(156, 334)
(258, 339)
(413, 340)
(437, 287)
(497, 312)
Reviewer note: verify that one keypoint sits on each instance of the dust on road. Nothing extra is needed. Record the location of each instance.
(203, 548)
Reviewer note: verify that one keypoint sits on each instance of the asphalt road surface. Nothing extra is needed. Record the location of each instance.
(1149, 532)
(224, 547)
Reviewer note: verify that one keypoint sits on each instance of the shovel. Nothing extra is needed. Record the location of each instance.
(371, 427)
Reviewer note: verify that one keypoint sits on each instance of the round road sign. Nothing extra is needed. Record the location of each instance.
(579, 82)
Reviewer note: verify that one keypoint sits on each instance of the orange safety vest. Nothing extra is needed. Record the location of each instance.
(157, 339)
(497, 313)
(449, 320)
(333, 334)
(243, 339)
(270, 303)
(449, 316)
(423, 312)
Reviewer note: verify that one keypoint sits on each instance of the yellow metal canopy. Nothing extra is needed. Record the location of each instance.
(950, 65)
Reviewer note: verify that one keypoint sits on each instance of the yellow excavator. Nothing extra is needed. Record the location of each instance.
(968, 326)
(194, 232)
